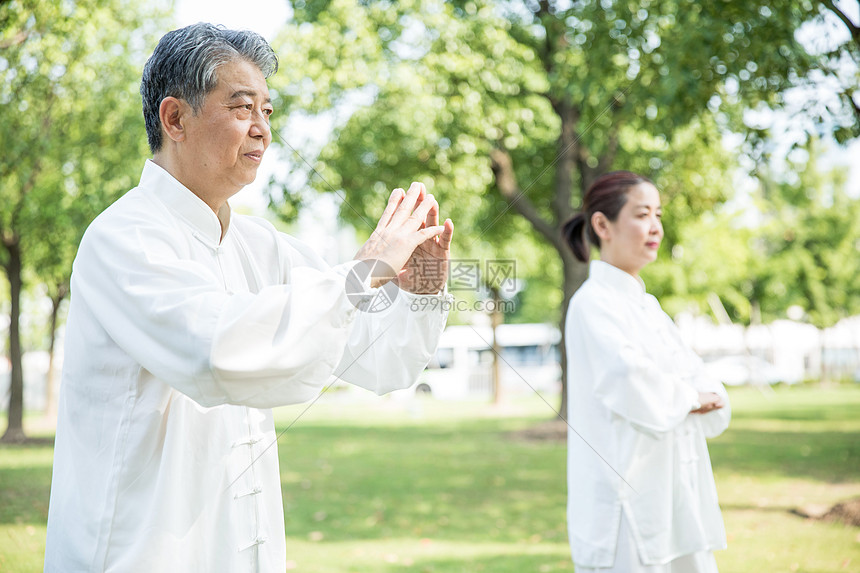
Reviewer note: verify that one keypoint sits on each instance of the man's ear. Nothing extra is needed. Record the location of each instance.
(172, 113)
(600, 224)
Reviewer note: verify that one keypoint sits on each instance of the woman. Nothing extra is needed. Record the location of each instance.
(641, 494)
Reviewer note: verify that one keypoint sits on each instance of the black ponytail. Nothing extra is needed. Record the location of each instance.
(573, 233)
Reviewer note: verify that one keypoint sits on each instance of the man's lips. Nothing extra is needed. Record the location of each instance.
(255, 155)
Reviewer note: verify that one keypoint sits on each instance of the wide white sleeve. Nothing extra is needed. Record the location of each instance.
(626, 379)
(387, 349)
(171, 315)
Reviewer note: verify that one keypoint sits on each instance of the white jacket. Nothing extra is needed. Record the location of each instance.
(178, 343)
(634, 446)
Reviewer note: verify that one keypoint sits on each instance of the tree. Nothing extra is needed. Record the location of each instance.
(808, 245)
(70, 121)
(50, 255)
(705, 251)
(838, 48)
(510, 110)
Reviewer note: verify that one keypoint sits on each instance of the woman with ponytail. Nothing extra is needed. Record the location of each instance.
(641, 493)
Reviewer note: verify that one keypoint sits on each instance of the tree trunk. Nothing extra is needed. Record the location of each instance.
(495, 321)
(15, 429)
(50, 399)
(575, 274)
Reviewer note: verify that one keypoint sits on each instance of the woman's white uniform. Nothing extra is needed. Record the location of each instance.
(641, 493)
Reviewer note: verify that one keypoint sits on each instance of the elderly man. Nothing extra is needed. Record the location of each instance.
(188, 322)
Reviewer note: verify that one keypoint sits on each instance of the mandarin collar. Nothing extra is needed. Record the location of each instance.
(614, 277)
(180, 200)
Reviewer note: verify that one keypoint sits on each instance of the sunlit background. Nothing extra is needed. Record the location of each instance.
(743, 112)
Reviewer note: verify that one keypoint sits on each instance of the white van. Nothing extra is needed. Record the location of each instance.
(463, 365)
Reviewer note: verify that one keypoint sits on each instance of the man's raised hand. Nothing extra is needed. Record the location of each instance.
(403, 226)
(426, 271)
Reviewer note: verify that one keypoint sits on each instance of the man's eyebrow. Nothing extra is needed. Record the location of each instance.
(249, 93)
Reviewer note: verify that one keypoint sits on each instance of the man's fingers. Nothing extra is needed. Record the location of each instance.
(422, 212)
(429, 233)
(433, 215)
(393, 201)
(407, 205)
(447, 234)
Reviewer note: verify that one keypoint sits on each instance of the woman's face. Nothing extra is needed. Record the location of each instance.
(631, 241)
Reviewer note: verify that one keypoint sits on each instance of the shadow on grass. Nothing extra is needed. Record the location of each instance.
(761, 508)
(28, 442)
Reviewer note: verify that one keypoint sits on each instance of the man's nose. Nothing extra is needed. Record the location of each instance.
(260, 126)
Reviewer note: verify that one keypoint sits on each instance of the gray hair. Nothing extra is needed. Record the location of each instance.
(184, 66)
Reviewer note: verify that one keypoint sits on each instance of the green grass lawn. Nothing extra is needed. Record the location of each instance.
(380, 486)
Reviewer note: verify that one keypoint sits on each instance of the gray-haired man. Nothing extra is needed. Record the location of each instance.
(189, 322)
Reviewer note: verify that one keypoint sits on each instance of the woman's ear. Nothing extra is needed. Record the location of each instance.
(171, 113)
(600, 224)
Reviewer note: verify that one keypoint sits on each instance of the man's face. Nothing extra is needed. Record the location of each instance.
(226, 139)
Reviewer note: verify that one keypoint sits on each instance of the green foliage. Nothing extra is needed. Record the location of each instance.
(712, 257)
(73, 135)
(704, 251)
(801, 249)
(428, 121)
(839, 59)
(71, 120)
(809, 247)
(565, 91)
